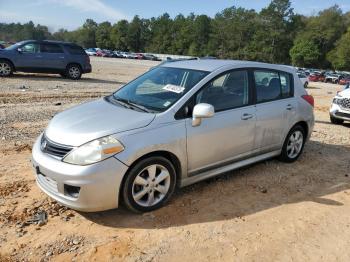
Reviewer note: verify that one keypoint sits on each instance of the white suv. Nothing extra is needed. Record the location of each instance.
(340, 109)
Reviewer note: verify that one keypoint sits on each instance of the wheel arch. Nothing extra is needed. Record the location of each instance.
(74, 63)
(10, 61)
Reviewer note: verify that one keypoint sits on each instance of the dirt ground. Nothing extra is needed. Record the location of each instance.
(269, 211)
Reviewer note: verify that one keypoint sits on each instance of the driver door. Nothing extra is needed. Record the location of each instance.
(29, 57)
(228, 136)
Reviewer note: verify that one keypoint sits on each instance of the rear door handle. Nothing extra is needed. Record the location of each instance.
(289, 107)
(246, 116)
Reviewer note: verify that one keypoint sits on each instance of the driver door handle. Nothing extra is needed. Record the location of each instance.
(246, 116)
(289, 107)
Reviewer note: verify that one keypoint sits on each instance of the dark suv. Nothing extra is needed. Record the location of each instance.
(67, 59)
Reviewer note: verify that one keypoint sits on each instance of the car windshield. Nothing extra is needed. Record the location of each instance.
(159, 88)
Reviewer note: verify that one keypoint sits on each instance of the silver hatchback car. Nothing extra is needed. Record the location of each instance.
(175, 125)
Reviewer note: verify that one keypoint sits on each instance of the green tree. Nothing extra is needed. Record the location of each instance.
(305, 53)
(103, 36)
(340, 55)
(119, 35)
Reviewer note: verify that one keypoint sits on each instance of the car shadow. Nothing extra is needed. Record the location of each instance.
(42, 77)
(312, 87)
(345, 124)
(323, 169)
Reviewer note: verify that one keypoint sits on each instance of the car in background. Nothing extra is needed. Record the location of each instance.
(173, 126)
(118, 54)
(316, 77)
(101, 53)
(139, 56)
(67, 59)
(332, 78)
(345, 80)
(91, 51)
(340, 109)
(304, 79)
(151, 57)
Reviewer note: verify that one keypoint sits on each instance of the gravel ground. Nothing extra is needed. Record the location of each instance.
(266, 212)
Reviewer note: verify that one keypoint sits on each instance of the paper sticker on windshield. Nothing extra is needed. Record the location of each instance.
(174, 88)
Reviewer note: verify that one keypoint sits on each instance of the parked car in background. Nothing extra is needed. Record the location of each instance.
(67, 59)
(139, 56)
(304, 79)
(91, 51)
(345, 80)
(316, 77)
(332, 78)
(101, 53)
(118, 54)
(151, 57)
(175, 125)
(340, 109)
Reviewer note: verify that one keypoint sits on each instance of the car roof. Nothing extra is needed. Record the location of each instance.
(47, 41)
(211, 65)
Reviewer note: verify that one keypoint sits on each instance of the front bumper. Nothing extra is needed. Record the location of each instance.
(99, 183)
(338, 112)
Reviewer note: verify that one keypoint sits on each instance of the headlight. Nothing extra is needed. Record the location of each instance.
(94, 151)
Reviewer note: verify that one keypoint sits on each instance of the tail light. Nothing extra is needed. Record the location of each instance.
(88, 59)
(309, 99)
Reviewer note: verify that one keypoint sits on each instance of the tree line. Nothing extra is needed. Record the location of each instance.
(276, 34)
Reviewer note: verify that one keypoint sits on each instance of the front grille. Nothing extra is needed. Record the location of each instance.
(344, 102)
(54, 149)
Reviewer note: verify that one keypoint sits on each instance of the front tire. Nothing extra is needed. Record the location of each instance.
(293, 145)
(149, 184)
(73, 72)
(6, 68)
(336, 121)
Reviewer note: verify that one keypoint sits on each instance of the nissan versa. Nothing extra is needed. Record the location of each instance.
(175, 125)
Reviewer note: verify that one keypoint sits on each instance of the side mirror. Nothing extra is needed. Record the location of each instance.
(200, 111)
(20, 50)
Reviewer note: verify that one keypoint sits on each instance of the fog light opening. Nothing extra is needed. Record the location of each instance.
(72, 191)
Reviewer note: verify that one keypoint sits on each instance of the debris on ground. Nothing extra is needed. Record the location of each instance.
(39, 218)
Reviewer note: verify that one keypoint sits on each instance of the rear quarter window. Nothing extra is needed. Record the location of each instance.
(75, 50)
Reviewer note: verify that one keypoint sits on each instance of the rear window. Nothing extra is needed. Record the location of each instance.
(75, 50)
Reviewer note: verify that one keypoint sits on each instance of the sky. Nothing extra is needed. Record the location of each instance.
(71, 14)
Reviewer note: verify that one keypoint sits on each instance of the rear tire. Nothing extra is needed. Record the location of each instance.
(293, 145)
(336, 121)
(149, 184)
(6, 68)
(73, 72)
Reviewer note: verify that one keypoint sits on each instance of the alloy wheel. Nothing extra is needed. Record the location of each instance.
(5, 69)
(295, 144)
(151, 185)
(74, 72)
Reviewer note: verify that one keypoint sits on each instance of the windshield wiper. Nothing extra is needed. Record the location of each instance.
(127, 103)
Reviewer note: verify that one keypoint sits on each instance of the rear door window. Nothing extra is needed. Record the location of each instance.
(272, 85)
(51, 48)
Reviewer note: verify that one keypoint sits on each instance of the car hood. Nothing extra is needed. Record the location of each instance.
(86, 122)
(345, 93)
